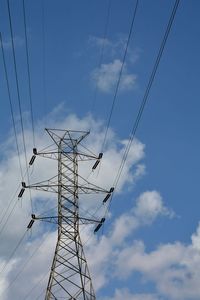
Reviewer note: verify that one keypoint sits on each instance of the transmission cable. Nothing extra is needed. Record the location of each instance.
(120, 74)
(44, 60)
(145, 97)
(13, 252)
(36, 285)
(25, 264)
(4, 213)
(38, 297)
(102, 51)
(28, 71)
(10, 104)
(18, 94)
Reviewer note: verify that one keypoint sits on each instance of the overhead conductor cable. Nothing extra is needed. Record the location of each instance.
(145, 97)
(28, 71)
(120, 74)
(11, 106)
(18, 95)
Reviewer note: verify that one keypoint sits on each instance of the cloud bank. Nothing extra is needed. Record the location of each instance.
(16, 213)
(171, 269)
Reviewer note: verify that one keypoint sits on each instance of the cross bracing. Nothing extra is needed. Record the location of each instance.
(69, 276)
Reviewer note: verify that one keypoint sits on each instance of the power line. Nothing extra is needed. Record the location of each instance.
(16, 139)
(25, 264)
(36, 285)
(45, 275)
(44, 59)
(28, 71)
(16, 77)
(120, 74)
(40, 294)
(146, 94)
(10, 104)
(18, 93)
(13, 252)
(4, 213)
(8, 217)
(77, 280)
(102, 50)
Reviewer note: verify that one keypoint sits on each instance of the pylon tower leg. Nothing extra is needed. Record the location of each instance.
(69, 276)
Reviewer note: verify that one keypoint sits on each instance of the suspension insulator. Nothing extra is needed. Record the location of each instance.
(30, 224)
(23, 184)
(106, 198)
(32, 160)
(21, 192)
(99, 225)
(98, 161)
(108, 195)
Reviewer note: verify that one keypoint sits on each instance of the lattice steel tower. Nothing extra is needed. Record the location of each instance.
(69, 277)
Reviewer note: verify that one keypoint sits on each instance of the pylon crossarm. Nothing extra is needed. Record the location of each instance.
(82, 156)
(83, 189)
(83, 220)
(47, 186)
(44, 188)
(88, 221)
(86, 157)
(50, 219)
(91, 190)
(54, 220)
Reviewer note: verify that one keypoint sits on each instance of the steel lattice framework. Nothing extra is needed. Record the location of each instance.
(69, 276)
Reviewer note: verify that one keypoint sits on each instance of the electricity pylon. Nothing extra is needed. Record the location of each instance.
(69, 276)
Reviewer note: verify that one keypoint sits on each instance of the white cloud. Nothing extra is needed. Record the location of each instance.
(100, 42)
(106, 77)
(196, 239)
(115, 48)
(110, 255)
(150, 205)
(107, 253)
(173, 267)
(43, 169)
(34, 272)
(126, 294)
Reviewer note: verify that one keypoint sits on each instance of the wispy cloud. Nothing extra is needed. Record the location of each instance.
(126, 294)
(100, 42)
(106, 77)
(114, 49)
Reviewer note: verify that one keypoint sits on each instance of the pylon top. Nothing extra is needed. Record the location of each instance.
(68, 137)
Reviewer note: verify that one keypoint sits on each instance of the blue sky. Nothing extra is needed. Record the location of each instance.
(158, 196)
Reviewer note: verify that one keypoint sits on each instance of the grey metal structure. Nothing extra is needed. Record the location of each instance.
(69, 277)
